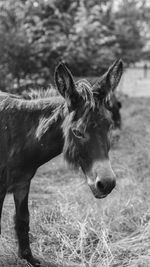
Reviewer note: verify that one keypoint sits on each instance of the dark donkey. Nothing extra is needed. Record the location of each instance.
(34, 131)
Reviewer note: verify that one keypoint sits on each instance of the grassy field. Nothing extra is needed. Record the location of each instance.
(134, 84)
(69, 228)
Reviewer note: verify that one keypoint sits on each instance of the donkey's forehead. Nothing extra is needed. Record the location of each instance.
(83, 86)
(83, 82)
(84, 89)
(100, 113)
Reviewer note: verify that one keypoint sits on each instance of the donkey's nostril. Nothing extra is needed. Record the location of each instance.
(100, 186)
(105, 186)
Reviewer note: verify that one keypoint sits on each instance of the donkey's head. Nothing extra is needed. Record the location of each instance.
(87, 125)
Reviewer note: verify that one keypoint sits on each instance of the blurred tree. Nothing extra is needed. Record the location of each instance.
(128, 30)
(47, 26)
(15, 48)
(145, 21)
(92, 43)
(87, 34)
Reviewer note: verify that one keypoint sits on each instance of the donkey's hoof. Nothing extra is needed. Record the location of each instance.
(27, 255)
(34, 262)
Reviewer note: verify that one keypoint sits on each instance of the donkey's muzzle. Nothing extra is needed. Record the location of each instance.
(101, 179)
(104, 187)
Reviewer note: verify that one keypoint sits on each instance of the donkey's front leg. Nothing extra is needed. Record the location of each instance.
(2, 196)
(22, 223)
(3, 176)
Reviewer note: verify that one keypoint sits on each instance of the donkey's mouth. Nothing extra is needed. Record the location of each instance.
(99, 194)
(96, 193)
(102, 196)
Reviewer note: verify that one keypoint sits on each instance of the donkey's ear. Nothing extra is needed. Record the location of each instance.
(66, 85)
(114, 74)
(109, 81)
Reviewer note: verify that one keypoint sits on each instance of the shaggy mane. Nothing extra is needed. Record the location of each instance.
(70, 151)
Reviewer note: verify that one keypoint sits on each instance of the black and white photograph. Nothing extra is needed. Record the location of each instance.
(74, 133)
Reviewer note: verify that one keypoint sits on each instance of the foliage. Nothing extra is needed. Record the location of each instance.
(88, 35)
(128, 33)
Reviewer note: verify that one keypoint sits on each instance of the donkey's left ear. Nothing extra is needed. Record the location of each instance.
(109, 80)
(114, 74)
(66, 85)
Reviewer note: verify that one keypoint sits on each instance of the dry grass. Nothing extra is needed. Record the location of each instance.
(71, 228)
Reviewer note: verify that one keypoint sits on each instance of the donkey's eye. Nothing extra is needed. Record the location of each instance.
(77, 133)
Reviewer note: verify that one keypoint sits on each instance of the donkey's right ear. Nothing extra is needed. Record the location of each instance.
(66, 85)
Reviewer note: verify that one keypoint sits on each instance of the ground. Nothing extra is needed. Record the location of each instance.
(69, 227)
(133, 82)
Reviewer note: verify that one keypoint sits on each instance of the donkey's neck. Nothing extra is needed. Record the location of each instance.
(49, 133)
(36, 130)
(51, 117)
